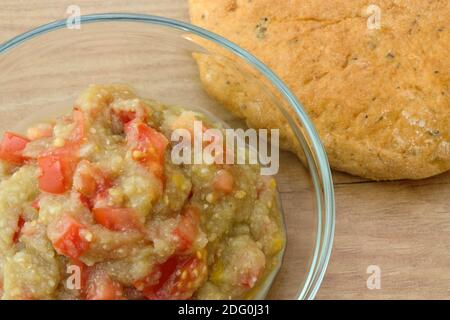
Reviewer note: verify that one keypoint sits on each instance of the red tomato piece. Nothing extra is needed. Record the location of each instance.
(11, 148)
(66, 235)
(35, 204)
(148, 146)
(85, 184)
(20, 223)
(188, 228)
(51, 178)
(57, 166)
(117, 219)
(177, 278)
(85, 201)
(223, 181)
(90, 182)
(57, 170)
(101, 287)
(125, 116)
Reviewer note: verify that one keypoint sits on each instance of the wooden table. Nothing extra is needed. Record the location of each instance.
(402, 227)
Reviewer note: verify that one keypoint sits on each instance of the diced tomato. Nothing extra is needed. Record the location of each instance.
(57, 170)
(69, 237)
(120, 117)
(57, 166)
(11, 148)
(117, 219)
(51, 178)
(89, 180)
(85, 201)
(223, 181)
(35, 204)
(188, 229)
(99, 198)
(20, 223)
(101, 287)
(85, 184)
(177, 278)
(125, 116)
(148, 146)
(156, 280)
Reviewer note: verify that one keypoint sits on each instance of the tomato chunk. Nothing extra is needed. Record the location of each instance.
(148, 146)
(117, 219)
(11, 148)
(223, 181)
(90, 182)
(51, 178)
(69, 237)
(188, 228)
(20, 223)
(126, 116)
(57, 166)
(101, 287)
(56, 171)
(177, 278)
(35, 204)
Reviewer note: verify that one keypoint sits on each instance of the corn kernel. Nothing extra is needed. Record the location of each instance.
(86, 235)
(210, 198)
(138, 154)
(272, 184)
(178, 180)
(240, 194)
(116, 195)
(216, 275)
(277, 244)
(59, 142)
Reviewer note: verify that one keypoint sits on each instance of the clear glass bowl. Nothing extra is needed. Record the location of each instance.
(46, 68)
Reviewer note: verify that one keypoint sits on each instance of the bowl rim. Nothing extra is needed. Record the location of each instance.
(323, 182)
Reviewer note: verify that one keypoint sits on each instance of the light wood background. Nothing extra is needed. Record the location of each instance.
(402, 227)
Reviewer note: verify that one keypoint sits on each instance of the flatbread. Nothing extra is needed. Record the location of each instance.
(379, 98)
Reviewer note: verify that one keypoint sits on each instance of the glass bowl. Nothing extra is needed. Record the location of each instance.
(44, 70)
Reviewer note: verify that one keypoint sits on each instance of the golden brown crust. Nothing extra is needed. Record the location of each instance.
(380, 99)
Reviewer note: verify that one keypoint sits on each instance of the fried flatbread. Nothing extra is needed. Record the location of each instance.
(379, 98)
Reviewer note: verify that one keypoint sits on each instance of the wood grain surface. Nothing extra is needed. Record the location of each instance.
(403, 227)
